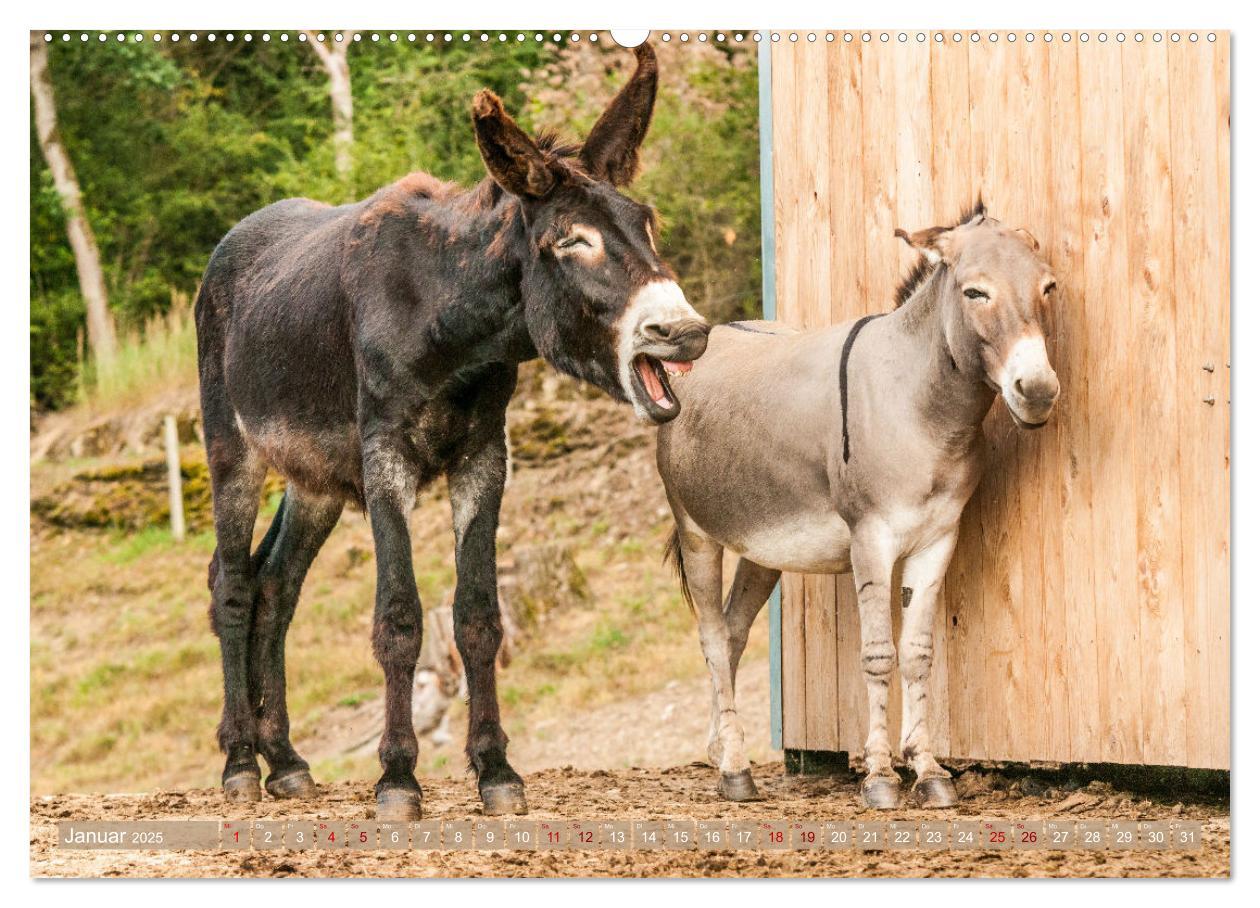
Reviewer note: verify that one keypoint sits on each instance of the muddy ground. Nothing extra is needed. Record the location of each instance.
(679, 793)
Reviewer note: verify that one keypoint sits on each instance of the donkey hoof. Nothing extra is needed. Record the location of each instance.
(880, 792)
(398, 805)
(504, 798)
(738, 786)
(934, 792)
(242, 788)
(296, 784)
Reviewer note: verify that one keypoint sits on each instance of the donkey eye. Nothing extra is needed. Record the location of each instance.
(973, 293)
(570, 241)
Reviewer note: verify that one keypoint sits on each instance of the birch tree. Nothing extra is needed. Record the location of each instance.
(87, 257)
(332, 54)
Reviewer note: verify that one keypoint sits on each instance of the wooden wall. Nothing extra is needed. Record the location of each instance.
(1086, 614)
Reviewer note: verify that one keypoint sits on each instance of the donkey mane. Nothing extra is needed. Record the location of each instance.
(923, 268)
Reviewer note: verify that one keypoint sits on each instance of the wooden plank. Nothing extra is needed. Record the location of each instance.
(1072, 673)
(813, 207)
(790, 267)
(812, 138)
(1197, 259)
(1105, 205)
(962, 602)
(849, 286)
(880, 124)
(851, 691)
(849, 298)
(1036, 630)
(794, 668)
(916, 209)
(879, 129)
(1051, 214)
(1153, 392)
(1219, 464)
(822, 722)
(996, 149)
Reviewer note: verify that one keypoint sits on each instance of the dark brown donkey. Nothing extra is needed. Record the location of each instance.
(363, 350)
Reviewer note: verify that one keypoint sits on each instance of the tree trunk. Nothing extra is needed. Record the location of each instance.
(332, 54)
(87, 258)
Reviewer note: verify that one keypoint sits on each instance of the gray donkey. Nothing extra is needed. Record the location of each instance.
(854, 448)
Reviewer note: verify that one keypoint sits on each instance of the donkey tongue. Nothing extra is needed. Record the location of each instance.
(651, 383)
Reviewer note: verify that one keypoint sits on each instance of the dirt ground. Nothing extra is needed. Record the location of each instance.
(685, 792)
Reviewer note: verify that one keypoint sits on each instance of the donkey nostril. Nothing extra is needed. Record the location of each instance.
(656, 331)
(1019, 387)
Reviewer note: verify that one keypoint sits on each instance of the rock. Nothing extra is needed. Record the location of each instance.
(972, 784)
(1031, 787)
(1078, 802)
(542, 578)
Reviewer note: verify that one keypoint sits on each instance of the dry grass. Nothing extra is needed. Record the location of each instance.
(163, 354)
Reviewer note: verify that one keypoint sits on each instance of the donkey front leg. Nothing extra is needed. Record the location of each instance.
(873, 559)
(390, 481)
(924, 572)
(476, 488)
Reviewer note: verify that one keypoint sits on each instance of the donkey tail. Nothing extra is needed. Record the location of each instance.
(260, 554)
(674, 554)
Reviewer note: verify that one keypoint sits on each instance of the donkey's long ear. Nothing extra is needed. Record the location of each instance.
(511, 157)
(1029, 240)
(611, 151)
(933, 242)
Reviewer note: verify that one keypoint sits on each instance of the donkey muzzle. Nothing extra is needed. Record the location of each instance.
(1030, 386)
(682, 339)
(1031, 400)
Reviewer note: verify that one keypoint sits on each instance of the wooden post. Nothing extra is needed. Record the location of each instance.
(173, 478)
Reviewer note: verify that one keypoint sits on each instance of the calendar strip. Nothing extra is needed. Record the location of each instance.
(623, 835)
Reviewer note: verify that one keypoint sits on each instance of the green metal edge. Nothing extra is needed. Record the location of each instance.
(765, 116)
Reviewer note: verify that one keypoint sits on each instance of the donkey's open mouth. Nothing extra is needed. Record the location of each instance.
(652, 385)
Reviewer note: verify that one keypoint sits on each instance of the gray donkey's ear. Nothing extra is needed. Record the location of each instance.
(1029, 240)
(933, 242)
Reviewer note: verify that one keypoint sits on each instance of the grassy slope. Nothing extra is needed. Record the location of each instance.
(124, 668)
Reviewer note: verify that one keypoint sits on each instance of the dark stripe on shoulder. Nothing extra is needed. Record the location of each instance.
(743, 326)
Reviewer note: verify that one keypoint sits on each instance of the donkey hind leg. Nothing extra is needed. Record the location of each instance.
(476, 488)
(748, 594)
(390, 489)
(305, 522)
(872, 574)
(236, 476)
(702, 565)
(923, 574)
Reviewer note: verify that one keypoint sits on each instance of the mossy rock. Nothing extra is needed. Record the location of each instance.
(543, 578)
(545, 435)
(133, 497)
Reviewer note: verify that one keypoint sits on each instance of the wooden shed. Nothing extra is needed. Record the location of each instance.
(1086, 615)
